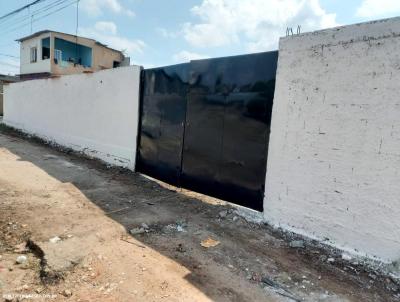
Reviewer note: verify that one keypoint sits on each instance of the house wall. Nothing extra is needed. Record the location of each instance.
(26, 67)
(102, 56)
(96, 114)
(333, 165)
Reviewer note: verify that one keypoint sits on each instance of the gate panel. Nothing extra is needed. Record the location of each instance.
(203, 142)
(163, 111)
(227, 127)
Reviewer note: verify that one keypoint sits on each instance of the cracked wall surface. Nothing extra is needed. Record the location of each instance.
(334, 152)
(96, 114)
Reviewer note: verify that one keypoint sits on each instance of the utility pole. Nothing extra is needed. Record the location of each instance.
(29, 11)
(77, 16)
(76, 32)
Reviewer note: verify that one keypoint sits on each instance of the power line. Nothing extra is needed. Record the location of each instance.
(15, 20)
(20, 21)
(8, 44)
(6, 55)
(55, 3)
(8, 64)
(39, 18)
(14, 12)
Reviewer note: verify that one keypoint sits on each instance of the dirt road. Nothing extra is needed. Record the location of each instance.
(70, 217)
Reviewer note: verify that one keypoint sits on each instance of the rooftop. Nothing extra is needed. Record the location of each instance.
(36, 34)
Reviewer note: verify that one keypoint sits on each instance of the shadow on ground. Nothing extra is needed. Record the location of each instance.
(253, 255)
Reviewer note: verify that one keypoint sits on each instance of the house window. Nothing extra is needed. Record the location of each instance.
(33, 54)
(45, 48)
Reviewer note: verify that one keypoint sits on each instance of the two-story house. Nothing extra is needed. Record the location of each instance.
(50, 53)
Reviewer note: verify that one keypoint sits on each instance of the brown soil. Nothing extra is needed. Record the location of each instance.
(46, 193)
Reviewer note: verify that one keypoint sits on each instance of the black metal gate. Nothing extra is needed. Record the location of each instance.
(162, 114)
(205, 125)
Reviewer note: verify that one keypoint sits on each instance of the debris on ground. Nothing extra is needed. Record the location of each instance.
(20, 248)
(223, 214)
(125, 239)
(180, 228)
(181, 248)
(297, 244)
(136, 231)
(181, 225)
(209, 242)
(346, 257)
(54, 239)
(269, 281)
(21, 259)
(144, 228)
(66, 293)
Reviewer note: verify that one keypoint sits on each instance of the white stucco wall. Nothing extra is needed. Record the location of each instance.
(93, 113)
(40, 65)
(334, 153)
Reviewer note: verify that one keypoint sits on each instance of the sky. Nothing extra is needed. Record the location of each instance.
(165, 32)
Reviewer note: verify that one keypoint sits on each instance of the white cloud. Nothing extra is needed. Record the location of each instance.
(186, 56)
(129, 13)
(106, 32)
(378, 8)
(166, 33)
(257, 24)
(106, 27)
(96, 7)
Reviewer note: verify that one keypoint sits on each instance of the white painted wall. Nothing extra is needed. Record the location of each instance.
(334, 153)
(26, 66)
(93, 113)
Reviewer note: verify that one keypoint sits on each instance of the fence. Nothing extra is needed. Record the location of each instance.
(93, 113)
(333, 165)
(205, 125)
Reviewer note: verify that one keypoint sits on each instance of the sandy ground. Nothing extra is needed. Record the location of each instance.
(87, 210)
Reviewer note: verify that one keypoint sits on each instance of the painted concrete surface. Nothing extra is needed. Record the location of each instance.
(1, 103)
(94, 113)
(40, 65)
(334, 153)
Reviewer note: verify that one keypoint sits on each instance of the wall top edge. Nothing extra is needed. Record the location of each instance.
(360, 32)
